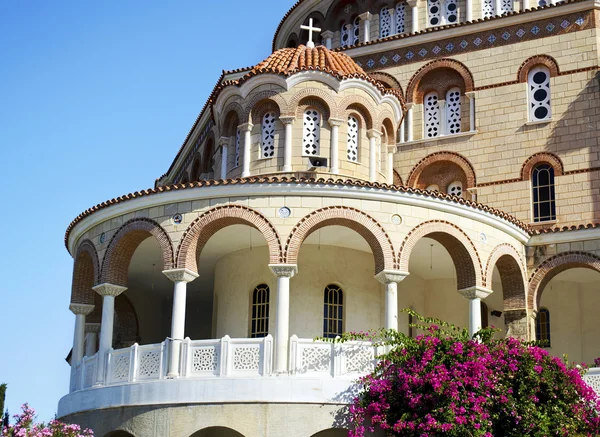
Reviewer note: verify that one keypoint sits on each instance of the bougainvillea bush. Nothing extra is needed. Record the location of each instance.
(445, 383)
(25, 427)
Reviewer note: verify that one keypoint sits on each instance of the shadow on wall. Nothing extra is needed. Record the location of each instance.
(118, 434)
(217, 431)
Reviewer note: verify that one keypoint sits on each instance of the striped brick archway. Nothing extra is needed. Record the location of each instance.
(360, 222)
(204, 227)
(461, 249)
(85, 274)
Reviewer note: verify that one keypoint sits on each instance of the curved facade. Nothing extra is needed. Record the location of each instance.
(324, 191)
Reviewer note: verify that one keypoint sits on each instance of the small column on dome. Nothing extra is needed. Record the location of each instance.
(525, 5)
(373, 136)
(91, 338)
(443, 119)
(475, 294)
(284, 273)
(247, 129)
(180, 277)
(328, 37)
(390, 165)
(334, 166)
(471, 96)
(469, 10)
(401, 133)
(224, 143)
(498, 6)
(310, 44)
(414, 6)
(80, 311)
(288, 122)
(391, 278)
(365, 19)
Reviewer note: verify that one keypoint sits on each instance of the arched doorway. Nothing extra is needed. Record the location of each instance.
(217, 431)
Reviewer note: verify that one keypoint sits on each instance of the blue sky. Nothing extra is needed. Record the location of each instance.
(95, 100)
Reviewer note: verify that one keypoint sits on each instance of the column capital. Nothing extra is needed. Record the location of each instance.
(109, 289)
(470, 94)
(442, 103)
(413, 3)
(335, 121)
(475, 292)
(245, 127)
(93, 328)
(284, 270)
(388, 276)
(81, 309)
(287, 119)
(409, 106)
(373, 133)
(365, 16)
(327, 34)
(224, 141)
(180, 275)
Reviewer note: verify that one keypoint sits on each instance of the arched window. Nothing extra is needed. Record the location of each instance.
(259, 324)
(453, 111)
(434, 13)
(451, 11)
(385, 23)
(542, 184)
(356, 31)
(433, 187)
(538, 85)
(346, 35)
(333, 311)
(455, 189)
(400, 17)
(438, 15)
(507, 6)
(488, 8)
(268, 135)
(484, 315)
(542, 327)
(237, 148)
(432, 115)
(352, 141)
(311, 135)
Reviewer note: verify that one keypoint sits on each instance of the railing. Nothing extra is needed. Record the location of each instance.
(592, 377)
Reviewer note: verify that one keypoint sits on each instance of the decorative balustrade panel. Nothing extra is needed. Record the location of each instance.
(76, 377)
(203, 358)
(150, 362)
(592, 377)
(89, 371)
(358, 358)
(119, 366)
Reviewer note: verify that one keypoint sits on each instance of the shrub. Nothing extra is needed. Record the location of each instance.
(25, 427)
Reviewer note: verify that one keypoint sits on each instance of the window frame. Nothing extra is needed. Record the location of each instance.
(547, 327)
(339, 307)
(266, 315)
(532, 88)
(261, 150)
(535, 193)
(317, 136)
(358, 134)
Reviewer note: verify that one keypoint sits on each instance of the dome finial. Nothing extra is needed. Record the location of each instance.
(310, 44)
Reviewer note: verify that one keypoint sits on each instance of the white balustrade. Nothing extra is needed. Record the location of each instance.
(592, 378)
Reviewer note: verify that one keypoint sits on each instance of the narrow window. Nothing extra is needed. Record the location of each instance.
(542, 327)
(237, 148)
(356, 31)
(400, 17)
(333, 311)
(453, 111)
(455, 189)
(488, 8)
(451, 11)
(484, 315)
(345, 36)
(352, 141)
(506, 6)
(385, 23)
(268, 135)
(538, 81)
(542, 184)
(311, 136)
(433, 12)
(432, 115)
(260, 312)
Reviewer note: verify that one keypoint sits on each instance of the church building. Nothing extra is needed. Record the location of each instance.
(439, 155)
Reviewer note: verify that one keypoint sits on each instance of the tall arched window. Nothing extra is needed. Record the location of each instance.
(333, 311)
(352, 141)
(453, 111)
(268, 135)
(237, 148)
(542, 327)
(385, 23)
(259, 323)
(542, 184)
(451, 11)
(432, 115)
(434, 13)
(488, 8)
(538, 85)
(311, 135)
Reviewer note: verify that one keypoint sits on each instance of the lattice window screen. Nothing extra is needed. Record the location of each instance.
(506, 6)
(268, 135)
(385, 23)
(453, 111)
(311, 136)
(488, 8)
(345, 36)
(356, 31)
(432, 115)
(538, 82)
(400, 17)
(352, 142)
(451, 11)
(433, 12)
(455, 189)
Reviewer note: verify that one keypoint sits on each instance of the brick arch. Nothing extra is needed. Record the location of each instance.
(397, 179)
(272, 96)
(360, 222)
(125, 242)
(552, 267)
(361, 105)
(453, 157)
(547, 61)
(512, 275)
(85, 274)
(261, 108)
(388, 128)
(459, 67)
(313, 95)
(204, 227)
(388, 81)
(538, 158)
(460, 247)
(232, 114)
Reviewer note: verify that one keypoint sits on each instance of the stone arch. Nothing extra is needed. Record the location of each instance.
(387, 127)
(361, 105)
(119, 433)
(460, 247)
(388, 81)
(538, 158)
(232, 114)
(397, 179)
(360, 222)
(512, 275)
(204, 227)
(217, 431)
(123, 244)
(261, 108)
(313, 96)
(458, 67)
(271, 96)
(547, 61)
(552, 267)
(85, 274)
(453, 157)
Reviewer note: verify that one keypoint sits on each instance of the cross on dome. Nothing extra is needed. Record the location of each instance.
(310, 44)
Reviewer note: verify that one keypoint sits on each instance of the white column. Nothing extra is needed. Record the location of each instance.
(391, 278)
(334, 165)
(524, 5)
(390, 165)
(475, 294)
(469, 10)
(287, 147)
(247, 129)
(91, 338)
(366, 22)
(471, 96)
(224, 143)
(180, 277)
(392, 21)
(373, 135)
(414, 6)
(284, 273)
(402, 134)
(108, 292)
(443, 119)
(498, 7)
(409, 122)
(80, 311)
(328, 37)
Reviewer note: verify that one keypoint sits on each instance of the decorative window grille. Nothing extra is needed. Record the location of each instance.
(352, 142)
(451, 10)
(345, 36)
(333, 311)
(434, 12)
(506, 6)
(489, 8)
(237, 147)
(538, 83)
(356, 31)
(542, 184)
(400, 17)
(542, 327)
(385, 23)
(311, 136)
(453, 111)
(260, 312)
(432, 115)
(268, 135)
(455, 189)
(433, 187)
